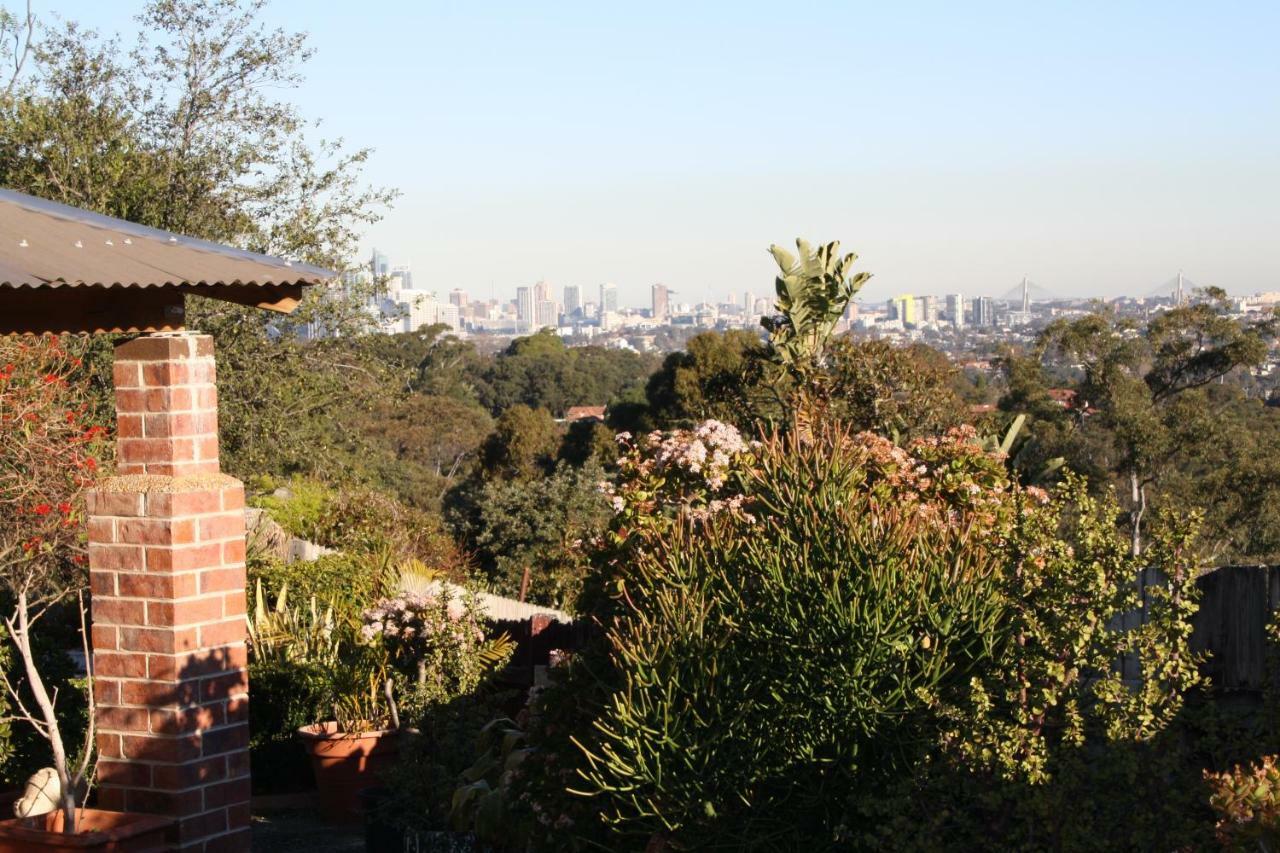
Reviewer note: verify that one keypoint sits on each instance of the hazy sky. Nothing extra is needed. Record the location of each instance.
(1097, 147)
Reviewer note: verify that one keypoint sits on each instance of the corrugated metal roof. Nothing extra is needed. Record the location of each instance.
(46, 244)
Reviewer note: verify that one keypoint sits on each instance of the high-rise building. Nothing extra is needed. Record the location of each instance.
(542, 292)
(458, 297)
(904, 308)
(608, 299)
(955, 310)
(524, 308)
(379, 265)
(545, 314)
(573, 300)
(928, 309)
(661, 298)
(748, 303)
(984, 311)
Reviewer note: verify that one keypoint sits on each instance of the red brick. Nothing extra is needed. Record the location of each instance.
(156, 585)
(233, 842)
(191, 503)
(111, 799)
(222, 633)
(164, 802)
(158, 694)
(156, 531)
(127, 773)
(237, 764)
(172, 721)
(233, 497)
(106, 691)
(233, 551)
(102, 530)
(116, 719)
(101, 583)
(224, 685)
(238, 815)
(234, 604)
(226, 793)
(117, 611)
(126, 374)
(206, 448)
(237, 710)
(165, 374)
(224, 526)
(206, 398)
(170, 750)
(202, 825)
(227, 739)
(104, 637)
(184, 612)
(122, 558)
(211, 662)
(164, 640)
(221, 580)
(173, 777)
(120, 664)
(108, 745)
(184, 558)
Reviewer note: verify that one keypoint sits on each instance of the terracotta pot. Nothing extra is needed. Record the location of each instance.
(345, 763)
(117, 832)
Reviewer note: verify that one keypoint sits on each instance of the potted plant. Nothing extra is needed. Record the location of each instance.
(48, 456)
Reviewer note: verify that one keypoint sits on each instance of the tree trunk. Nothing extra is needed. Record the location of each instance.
(22, 639)
(1138, 494)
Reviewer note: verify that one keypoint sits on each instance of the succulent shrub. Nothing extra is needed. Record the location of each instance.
(858, 610)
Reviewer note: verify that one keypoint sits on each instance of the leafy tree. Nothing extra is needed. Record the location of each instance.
(1133, 378)
(905, 391)
(522, 445)
(541, 525)
(716, 376)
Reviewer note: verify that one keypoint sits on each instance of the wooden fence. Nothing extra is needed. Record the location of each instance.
(1236, 602)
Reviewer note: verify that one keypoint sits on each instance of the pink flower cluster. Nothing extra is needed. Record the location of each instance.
(686, 468)
(413, 620)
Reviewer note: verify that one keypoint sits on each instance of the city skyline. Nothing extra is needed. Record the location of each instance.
(1096, 148)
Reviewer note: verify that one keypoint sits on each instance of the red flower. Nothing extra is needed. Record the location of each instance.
(42, 509)
(64, 508)
(50, 378)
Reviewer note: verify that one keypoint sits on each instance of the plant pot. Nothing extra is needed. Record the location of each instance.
(345, 763)
(116, 832)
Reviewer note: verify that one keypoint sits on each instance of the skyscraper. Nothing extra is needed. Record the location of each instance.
(905, 308)
(542, 292)
(379, 265)
(955, 309)
(545, 314)
(608, 298)
(458, 297)
(748, 303)
(524, 308)
(573, 300)
(984, 311)
(661, 298)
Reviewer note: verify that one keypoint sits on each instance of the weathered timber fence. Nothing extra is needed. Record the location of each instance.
(1236, 602)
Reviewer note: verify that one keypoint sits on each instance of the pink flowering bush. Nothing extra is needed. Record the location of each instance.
(436, 641)
(865, 608)
(696, 472)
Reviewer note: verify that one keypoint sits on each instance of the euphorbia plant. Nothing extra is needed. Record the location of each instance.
(48, 457)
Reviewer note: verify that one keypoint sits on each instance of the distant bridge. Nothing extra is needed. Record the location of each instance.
(1027, 292)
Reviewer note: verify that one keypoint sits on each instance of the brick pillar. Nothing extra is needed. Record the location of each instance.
(167, 575)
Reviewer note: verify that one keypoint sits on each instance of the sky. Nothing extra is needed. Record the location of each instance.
(1096, 147)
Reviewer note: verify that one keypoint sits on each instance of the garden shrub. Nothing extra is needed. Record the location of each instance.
(356, 518)
(348, 582)
(798, 630)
